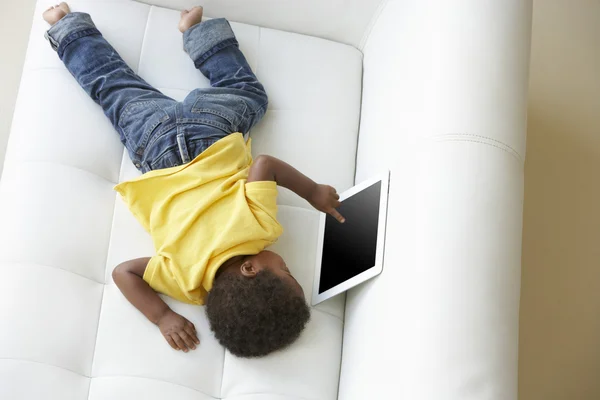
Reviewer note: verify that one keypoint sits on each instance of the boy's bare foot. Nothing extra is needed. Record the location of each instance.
(190, 18)
(56, 13)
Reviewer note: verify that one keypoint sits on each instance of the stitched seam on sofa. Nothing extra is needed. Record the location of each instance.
(311, 210)
(104, 376)
(327, 313)
(222, 374)
(258, 50)
(285, 396)
(459, 137)
(69, 167)
(27, 263)
(144, 39)
(362, 91)
(46, 364)
(152, 379)
(112, 226)
(25, 69)
(339, 376)
(363, 42)
(96, 337)
(480, 137)
(307, 111)
(506, 150)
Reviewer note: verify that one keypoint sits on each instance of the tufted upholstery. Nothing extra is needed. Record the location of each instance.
(64, 229)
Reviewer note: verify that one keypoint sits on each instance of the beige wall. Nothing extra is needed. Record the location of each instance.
(559, 355)
(15, 23)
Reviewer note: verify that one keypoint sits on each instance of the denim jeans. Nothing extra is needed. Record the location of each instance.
(158, 131)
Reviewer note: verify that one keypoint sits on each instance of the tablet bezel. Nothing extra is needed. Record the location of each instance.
(317, 297)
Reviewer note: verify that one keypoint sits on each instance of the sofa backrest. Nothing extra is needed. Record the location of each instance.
(444, 108)
(345, 21)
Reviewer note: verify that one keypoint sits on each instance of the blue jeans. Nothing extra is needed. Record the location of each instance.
(158, 131)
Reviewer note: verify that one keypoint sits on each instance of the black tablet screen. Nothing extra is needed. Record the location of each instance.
(350, 248)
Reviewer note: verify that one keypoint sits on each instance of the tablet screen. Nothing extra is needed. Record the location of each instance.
(350, 248)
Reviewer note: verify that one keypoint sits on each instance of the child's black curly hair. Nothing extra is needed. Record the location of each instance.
(254, 317)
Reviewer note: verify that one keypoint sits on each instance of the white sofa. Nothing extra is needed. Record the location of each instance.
(434, 91)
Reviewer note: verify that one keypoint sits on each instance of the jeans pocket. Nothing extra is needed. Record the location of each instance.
(224, 111)
(137, 122)
(169, 158)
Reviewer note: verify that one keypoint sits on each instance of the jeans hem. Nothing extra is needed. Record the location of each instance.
(223, 45)
(69, 24)
(206, 38)
(73, 37)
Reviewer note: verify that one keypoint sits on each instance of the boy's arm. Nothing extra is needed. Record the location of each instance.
(178, 331)
(322, 197)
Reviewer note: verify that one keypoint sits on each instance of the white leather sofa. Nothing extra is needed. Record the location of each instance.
(434, 91)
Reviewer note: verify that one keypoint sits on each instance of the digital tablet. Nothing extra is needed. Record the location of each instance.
(350, 253)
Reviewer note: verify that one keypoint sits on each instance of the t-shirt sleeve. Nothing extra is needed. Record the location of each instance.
(262, 200)
(160, 277)
(140, 206)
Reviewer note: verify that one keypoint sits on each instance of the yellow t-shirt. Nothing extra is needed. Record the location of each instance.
(200, 215)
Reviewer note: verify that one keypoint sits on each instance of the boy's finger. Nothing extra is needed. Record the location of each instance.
(337, 215)
(190, 331)
(171, 342)
(189, 342)
(179, 342)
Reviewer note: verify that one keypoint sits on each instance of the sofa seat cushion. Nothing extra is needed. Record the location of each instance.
(68, 333)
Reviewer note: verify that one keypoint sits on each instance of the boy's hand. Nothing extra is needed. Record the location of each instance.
(179, 332)
(325, 199)
(322, 197)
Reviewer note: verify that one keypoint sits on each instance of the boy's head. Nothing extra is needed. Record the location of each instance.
(256, 306)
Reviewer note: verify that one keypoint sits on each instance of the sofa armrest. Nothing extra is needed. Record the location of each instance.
(444, 108)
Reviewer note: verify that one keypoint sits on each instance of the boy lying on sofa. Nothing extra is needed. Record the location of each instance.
(210, 209)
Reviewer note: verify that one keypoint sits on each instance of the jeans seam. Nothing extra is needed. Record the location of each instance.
(259, 109)
(128, 106)
(146, 137)
(139, 147)
(157, 136)
(214, 124)
(204, 142)
(53, 42)
(169, 149)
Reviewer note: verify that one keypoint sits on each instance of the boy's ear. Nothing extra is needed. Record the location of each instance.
(248, 269)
